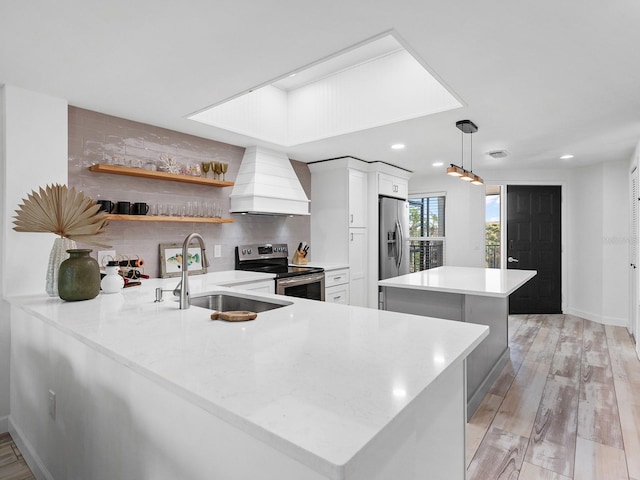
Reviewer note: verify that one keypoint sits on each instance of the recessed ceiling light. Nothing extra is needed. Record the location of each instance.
(397, 146)
(566, 157)
(437, 164)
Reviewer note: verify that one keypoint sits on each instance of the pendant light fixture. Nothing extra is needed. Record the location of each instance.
(465, 126)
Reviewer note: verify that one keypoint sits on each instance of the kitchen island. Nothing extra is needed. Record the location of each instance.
(311, 390)
(472, 295)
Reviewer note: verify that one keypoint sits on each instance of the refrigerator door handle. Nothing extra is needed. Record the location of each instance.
(399, 245)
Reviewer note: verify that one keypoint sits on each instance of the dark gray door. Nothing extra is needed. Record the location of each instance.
(534, 243)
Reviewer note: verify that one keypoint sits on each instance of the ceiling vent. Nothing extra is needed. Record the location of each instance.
(498, 153)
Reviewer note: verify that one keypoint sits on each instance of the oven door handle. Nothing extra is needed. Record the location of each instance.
(300, 279)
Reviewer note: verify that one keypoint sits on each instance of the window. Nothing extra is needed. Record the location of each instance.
(426, 231)
(492, 227)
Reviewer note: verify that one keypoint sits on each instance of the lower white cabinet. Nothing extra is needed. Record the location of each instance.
(337, 294)
(358, 267)
(336, 286)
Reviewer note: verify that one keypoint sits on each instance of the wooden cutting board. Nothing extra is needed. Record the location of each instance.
(234, 315)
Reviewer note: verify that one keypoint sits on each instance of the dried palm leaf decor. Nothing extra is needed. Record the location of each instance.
(64, 212)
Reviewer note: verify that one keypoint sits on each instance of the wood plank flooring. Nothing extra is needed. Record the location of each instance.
(567, 405)
(12, 464)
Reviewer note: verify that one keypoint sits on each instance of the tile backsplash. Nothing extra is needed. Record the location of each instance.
(98, 138)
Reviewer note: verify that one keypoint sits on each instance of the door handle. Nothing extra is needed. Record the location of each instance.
(512, 260)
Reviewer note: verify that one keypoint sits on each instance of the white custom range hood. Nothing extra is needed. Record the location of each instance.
(267, 184)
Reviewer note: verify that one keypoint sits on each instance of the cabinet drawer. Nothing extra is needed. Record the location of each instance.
(336, 277)
(337, 294)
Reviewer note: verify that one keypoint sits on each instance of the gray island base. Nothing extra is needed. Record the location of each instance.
(473, 295)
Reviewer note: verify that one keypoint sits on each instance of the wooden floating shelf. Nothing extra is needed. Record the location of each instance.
(154, 218)
(141, 172)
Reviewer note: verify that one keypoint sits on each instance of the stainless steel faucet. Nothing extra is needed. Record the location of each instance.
(183, 286)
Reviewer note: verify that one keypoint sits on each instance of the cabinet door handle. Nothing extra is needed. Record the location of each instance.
(338, 297)
(351, 218)
(337, 278)
(352, 237)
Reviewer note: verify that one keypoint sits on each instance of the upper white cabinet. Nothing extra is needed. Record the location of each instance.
(357, 198)
(391, 186)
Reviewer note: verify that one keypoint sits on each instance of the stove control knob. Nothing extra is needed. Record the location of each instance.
(249, 251)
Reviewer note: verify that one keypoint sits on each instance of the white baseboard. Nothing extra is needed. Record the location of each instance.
(4, 424)
(614, 321)
(31, 457)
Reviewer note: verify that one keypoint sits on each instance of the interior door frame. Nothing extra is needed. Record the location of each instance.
(563, 226)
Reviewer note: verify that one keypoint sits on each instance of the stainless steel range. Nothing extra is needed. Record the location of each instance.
(294, 281)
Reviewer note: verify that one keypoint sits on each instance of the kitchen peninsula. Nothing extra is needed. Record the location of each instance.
(471, 295)
(309, 391)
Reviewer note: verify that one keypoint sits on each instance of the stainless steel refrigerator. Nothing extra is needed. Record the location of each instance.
(393, 238)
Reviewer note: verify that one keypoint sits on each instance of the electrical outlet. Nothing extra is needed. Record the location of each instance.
(104, 256)
(52, 404)
(217, 251)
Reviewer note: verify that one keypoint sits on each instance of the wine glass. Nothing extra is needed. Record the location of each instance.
(213, 168)
(218, 169)
(224, 167)
(205, 168)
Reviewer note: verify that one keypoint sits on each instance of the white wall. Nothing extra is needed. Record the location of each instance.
(464, 217)
(595, 232)
(34, 153)
(5, 326)
(615, 243)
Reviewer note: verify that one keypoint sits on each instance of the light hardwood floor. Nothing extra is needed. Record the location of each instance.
(567, 406)
(12, 464)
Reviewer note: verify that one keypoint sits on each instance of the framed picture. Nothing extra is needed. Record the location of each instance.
(171, 260)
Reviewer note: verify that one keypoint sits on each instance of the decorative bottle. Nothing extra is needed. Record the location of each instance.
(112, 282)
(79, 276)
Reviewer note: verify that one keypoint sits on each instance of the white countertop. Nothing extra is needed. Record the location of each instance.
(490, 282)
(317, 381)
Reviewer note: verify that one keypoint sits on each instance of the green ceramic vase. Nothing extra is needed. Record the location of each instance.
(79, 276)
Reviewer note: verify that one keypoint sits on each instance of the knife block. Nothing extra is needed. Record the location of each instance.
(298, 258)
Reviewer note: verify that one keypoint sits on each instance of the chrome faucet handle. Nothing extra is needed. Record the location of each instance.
(176, 291)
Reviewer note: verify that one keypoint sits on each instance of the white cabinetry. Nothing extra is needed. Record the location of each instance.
(358, 267)
(337, 285)
(391, 186)
(344, 218)
(339, 190)
(357, 198)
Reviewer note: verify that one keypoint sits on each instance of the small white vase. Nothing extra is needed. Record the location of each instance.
(112, 282)
(58, 255)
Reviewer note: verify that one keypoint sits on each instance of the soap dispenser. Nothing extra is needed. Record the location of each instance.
(112, 282)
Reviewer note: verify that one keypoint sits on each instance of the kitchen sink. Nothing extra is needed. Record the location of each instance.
(226, 301)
